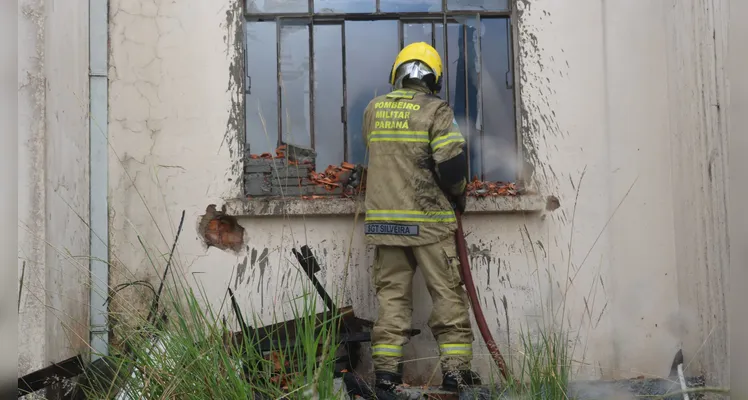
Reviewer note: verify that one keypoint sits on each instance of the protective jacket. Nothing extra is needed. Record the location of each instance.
(408, 133)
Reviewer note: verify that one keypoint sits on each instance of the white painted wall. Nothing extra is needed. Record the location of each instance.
(53, 181)
(621, 93)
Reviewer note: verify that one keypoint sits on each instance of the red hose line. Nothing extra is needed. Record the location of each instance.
(467, 278)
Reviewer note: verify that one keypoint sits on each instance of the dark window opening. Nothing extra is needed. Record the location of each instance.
(313, 66)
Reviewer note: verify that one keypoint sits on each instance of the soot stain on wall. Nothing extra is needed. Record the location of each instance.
(241, 269)
(537, 118)
(235, 125)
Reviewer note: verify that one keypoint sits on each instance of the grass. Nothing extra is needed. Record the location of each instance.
(190, 353)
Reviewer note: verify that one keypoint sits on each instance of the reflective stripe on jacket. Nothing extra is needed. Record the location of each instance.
(408, 132)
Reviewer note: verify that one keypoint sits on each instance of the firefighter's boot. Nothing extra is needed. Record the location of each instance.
(459, 380)
(386, 383)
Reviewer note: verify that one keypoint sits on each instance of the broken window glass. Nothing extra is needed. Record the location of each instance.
(447, 70)
(413, 33)
(261, 88)
(277, 6)
(329, 137)
(400, 6)
(477, 68)
(499, 135)
(463, 53)
(369, 60)
(294, 79)
(478, 5)
(345, 6)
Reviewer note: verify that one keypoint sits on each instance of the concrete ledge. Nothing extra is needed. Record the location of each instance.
(338, 206)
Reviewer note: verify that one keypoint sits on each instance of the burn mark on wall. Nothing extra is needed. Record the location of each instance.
(220, 230)
(552, 203)
(234, 135)
(477, 253)
(241, 268)
(506, 316)
(537, 118)
(253, 258)
(258, 265)
(263, 260)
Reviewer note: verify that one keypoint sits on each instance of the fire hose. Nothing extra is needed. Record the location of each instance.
(467, 278)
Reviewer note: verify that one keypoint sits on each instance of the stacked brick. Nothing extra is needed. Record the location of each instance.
(479, 188)
(290, 172)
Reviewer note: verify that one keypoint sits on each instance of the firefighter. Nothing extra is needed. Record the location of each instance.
(417, 175)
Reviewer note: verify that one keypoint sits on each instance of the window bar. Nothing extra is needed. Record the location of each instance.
(247, 77)
(467, 92)
(311, 81)
(517, 101)
(401, 34)
(445, 32)
(433, 35)
(337, 17)
(344, 109)
(479, 70)
(279, 79)
(510, 56)
(378, 7)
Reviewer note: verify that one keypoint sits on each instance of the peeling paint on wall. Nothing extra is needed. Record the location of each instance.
(235, 125)
(32, 215)
(537, 117)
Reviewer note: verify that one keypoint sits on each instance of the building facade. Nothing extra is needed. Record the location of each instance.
(608, 117)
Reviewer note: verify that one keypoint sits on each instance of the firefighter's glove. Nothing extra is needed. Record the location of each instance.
(357, 177)
(459, 202)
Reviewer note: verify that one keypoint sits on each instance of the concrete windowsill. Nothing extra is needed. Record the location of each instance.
(338, 206)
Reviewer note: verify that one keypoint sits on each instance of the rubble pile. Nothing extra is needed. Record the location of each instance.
(291, 172)
(478, 188)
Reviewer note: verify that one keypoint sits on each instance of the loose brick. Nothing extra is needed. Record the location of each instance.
(300, 154)
(286, 182)
(322, 191)
(262, 165)
(257, 184)
(220, 230)
(343, 177)
(292, 171)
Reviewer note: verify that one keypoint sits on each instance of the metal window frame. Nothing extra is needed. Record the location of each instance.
(445, 17)
(375, 16)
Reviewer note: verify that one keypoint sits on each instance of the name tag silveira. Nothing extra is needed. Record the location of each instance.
(391, 229)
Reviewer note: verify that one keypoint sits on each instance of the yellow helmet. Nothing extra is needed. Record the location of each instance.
(419, 51)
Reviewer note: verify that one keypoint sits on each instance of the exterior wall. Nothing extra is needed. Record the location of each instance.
(612, 118)
(53, 181)
(738, 196)
(698, 93)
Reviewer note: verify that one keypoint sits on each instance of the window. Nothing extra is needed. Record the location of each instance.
(313, 66)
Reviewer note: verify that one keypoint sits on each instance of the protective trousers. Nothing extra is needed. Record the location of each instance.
(394, 267)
